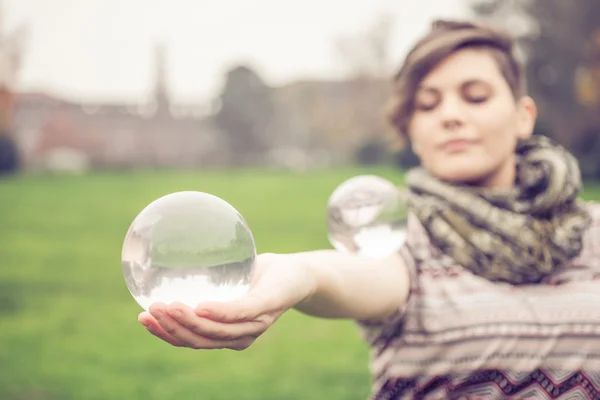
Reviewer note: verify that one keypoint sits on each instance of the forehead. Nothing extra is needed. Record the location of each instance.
(465, 65)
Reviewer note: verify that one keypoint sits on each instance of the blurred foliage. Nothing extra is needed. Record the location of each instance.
(406, 158)
(245, 113)
(9, 156)
(372, 152)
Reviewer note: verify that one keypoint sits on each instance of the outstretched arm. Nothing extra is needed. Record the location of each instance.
(323, 283)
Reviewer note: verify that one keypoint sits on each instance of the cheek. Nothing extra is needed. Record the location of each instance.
(422, 135)
(498, 131)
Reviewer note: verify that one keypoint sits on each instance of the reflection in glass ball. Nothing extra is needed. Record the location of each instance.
(188, 247)
(367, 215)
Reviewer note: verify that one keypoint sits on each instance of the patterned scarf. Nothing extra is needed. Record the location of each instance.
(517, 236)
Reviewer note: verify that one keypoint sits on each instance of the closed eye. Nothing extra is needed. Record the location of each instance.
(427, 99)
(476, 91)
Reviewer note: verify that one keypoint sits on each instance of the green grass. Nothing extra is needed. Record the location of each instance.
(68, 328)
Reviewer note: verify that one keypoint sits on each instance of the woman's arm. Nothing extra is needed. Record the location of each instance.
(323, 283)
(347, 286)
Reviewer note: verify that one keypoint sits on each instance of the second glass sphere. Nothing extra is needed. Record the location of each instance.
(367, 215)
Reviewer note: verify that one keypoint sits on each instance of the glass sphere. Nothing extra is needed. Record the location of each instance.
(367, 215)
(188, 247)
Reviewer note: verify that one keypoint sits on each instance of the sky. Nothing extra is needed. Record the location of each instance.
(102, 50)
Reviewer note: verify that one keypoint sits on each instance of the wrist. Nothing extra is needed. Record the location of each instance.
(309, 275)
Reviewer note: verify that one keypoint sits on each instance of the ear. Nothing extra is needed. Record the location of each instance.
(526, 117)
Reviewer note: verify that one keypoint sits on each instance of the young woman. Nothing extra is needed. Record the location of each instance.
(496, 294)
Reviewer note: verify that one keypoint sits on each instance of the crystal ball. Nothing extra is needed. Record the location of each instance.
(188, 247)
(367, 215)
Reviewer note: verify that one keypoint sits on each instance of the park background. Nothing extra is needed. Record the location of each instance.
(106, 105)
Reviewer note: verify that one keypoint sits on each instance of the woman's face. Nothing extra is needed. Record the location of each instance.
(466, 122)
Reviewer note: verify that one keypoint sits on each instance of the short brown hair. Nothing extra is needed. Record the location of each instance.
(445, 38)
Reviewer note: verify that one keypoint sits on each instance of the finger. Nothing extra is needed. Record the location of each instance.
(247, 309)
(155, 329)
(191, 339)
(208, 328)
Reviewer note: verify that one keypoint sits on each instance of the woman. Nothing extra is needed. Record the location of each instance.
(495, 294)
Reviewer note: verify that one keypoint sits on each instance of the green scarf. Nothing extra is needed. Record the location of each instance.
(517, 236)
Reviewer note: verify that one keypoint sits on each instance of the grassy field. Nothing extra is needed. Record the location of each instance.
(68, 328)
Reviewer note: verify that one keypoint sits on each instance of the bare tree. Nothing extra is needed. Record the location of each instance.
(366, 54)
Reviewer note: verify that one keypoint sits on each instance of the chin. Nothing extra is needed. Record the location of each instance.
(460, 169)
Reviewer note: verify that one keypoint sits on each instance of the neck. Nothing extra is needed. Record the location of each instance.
(503, 178)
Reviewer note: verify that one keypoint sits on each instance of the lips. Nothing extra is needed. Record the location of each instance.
(457, 144)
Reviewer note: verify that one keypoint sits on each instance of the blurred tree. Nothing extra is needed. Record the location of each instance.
(371, 152)
(560, 41)
(244, 116)
(9, 155)
(407, 159)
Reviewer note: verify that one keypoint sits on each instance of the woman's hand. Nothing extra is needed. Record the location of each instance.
(280, 282)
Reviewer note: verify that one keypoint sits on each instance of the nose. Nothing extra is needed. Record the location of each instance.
(451, 125)
(451, 114)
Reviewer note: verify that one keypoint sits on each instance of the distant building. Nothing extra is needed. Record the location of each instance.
(157, 133)
(317, 123)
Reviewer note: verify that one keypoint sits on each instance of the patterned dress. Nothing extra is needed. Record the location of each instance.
(460, 336)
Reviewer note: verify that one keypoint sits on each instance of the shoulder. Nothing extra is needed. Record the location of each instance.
(590, 253)
(594, 209)
(593, 231)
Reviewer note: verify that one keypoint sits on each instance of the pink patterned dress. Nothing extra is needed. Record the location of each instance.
(460, 336)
